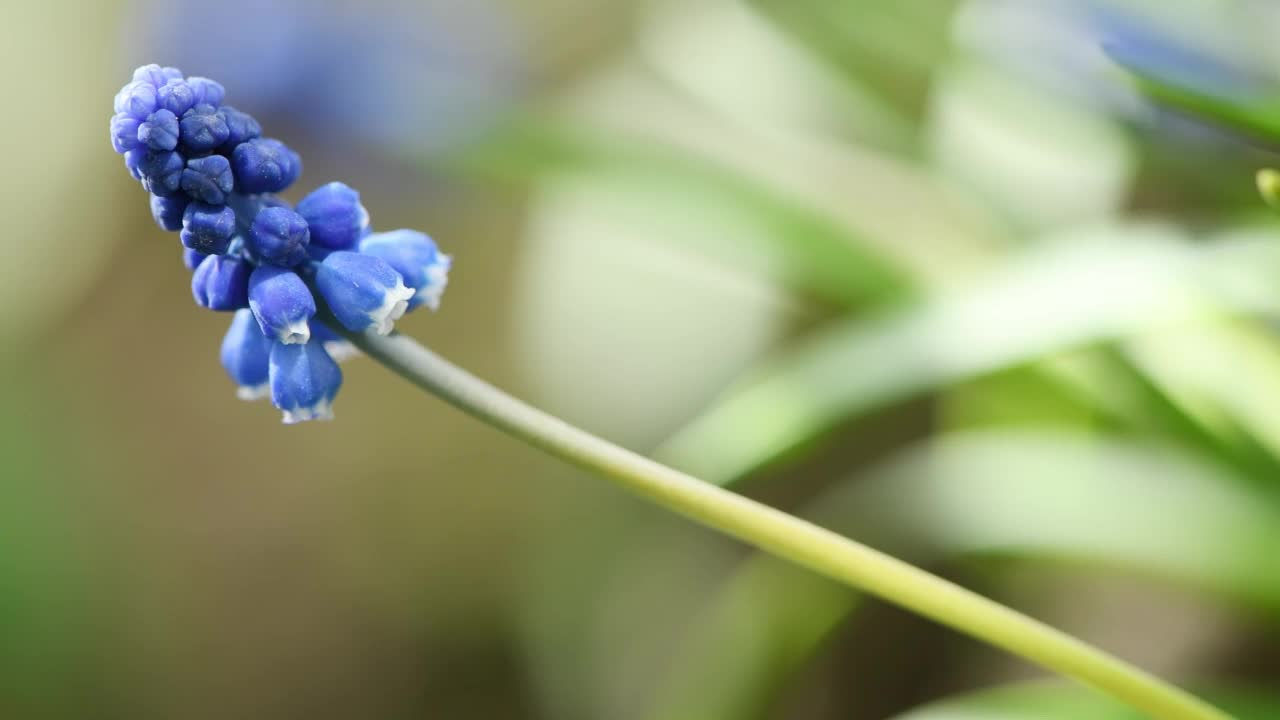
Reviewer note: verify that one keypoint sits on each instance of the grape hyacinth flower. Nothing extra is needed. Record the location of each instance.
(212, 179)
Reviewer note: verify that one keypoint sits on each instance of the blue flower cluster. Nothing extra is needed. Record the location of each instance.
(212, 178)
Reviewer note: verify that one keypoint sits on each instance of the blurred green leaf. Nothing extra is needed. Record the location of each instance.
(1052, 497)
(1042, 701)
(1256, 117)
(1097, 287)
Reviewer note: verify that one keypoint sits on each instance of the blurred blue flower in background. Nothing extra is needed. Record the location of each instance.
(423, 75)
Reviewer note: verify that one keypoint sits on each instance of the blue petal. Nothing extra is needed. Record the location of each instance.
(416, 257)
(335, 216)
(160, 131)
(304, 381)
(221, 282)
(279, 236)
(362, 291)
(282, 304)
(245, 356)
(265, 165)
(208, 179)
(203, 129)
(208, 228)
(168, 211)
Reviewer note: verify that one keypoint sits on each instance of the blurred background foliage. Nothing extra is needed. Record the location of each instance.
(929, 272)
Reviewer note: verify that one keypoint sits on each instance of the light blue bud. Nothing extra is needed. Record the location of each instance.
(416, 257)
(335, 216)
(137, 100)
(160, 131)
(207, 92)
(124, 133)
(282, 304)
(362, 291)
(246, 356)
(304, 381)
(176, 96)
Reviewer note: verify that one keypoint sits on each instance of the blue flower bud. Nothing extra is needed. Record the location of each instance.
(208, 179)
(279, 236)
(241, 127)
(137, 100)
(335, 216)
(416, 257)
(362, 291)
(176, 96)
(221, 282)
(338, 347)
(155, 75)
(203, 129)
(208, 228)
(160, 131)
(133, 161)
(161, 172)
(207, 92)
(282, 304)
(304, 381)
(245, 355)
(265, 165)
(191, 258)
(168, 211)
(124, 133)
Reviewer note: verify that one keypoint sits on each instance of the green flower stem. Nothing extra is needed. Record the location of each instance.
(789, 537)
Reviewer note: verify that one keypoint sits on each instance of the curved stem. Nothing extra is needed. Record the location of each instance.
(789, 537)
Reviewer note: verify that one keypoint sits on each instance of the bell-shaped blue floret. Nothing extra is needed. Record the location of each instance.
(362, 291)
(168, 211)
(124, 133)
(176, 96)
(208, 179)
(208, 228)
(264, 165)
(335, 216)
(282, 304)
(279, 236)
(137, 100)
(245, 355)
(304, 381)
(416, 257)
(221, 282)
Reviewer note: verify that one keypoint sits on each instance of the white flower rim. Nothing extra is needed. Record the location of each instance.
(437, 280)
(322, 410)
(394, 304)
(250, 393)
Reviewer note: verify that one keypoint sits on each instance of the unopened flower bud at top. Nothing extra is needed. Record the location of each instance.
(208, 179)
(264, 165)
(304, 381)
(156, 76)
(206, 91)
(176, 96)
(241, 127)
(203, 129)
(362, 291)
(159, 131)
(124, 133)
(137, 100)
(335, 216)
(161, 171)
(415, 256)
(208, 228)
(282, 304)
(279, 236)
(245, 355)
(221, 282)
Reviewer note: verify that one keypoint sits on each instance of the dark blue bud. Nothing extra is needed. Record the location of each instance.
(208, 228)
(207, 92)
(176, 96)
(241, 127)
(265, 165)
(191, 258)
(279, 236)
(335, 216)
(362, 291)
(160, 131)
(304, 381)
(161, 172)
(221, 282)
(124, 133)
(246, 355)
(208, 179)
(133, 161)
(416, 257)
(137, 100)
(168, 211)
(203, 129)
(282, 304)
